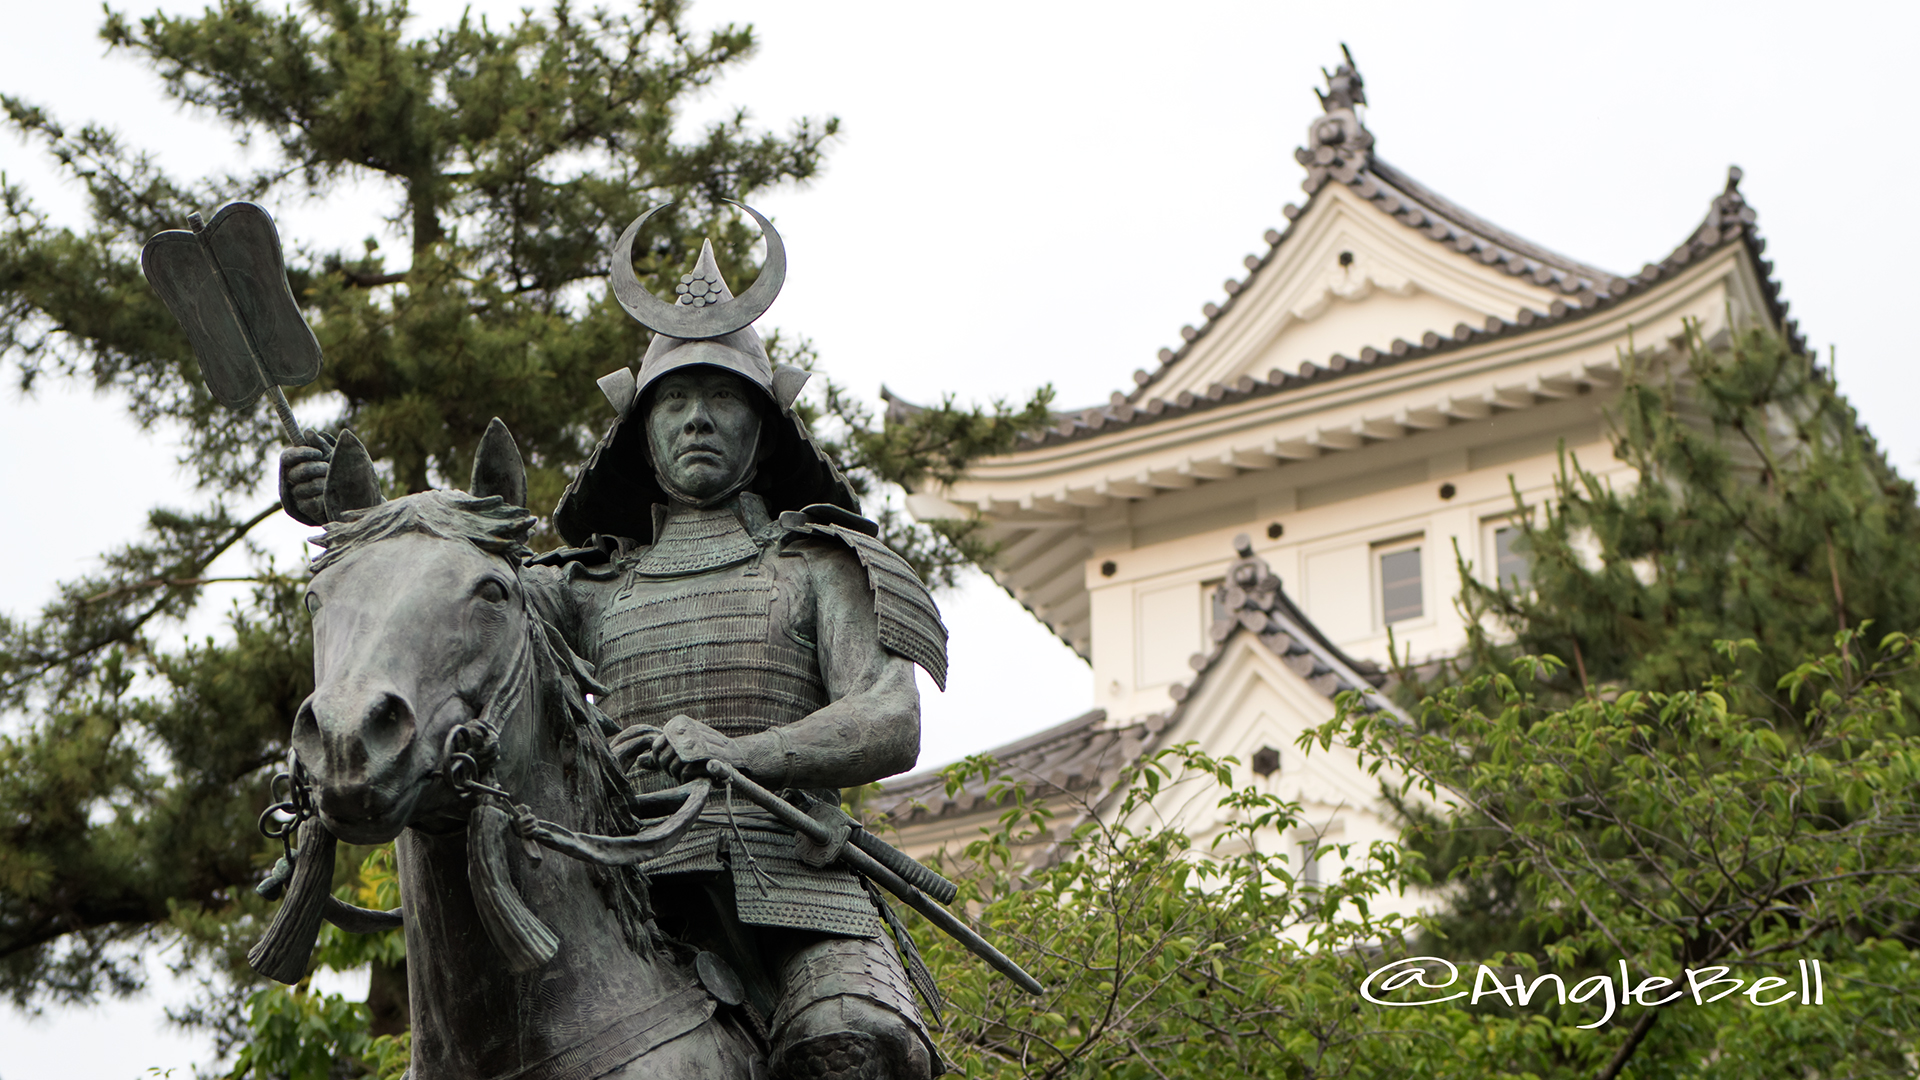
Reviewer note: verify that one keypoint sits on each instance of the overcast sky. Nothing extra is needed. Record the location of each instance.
(1028, 192)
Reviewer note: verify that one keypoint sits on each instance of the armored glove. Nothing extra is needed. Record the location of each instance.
(303, 478)
(686, 745)
(683, 748)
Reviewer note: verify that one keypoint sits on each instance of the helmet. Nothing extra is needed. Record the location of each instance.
(615, 491)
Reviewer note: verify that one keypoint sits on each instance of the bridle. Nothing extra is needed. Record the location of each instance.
(469, 755)
(471, 749)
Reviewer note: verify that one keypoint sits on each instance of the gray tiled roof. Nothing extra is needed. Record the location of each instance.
(1342, 152)
(1081, 757)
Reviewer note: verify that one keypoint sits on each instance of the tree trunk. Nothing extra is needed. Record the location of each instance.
(423, 198)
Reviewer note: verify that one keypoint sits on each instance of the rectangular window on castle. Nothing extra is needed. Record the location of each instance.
(1510, 566)
(1306, 881)
(1400, 591)
(1504, 559)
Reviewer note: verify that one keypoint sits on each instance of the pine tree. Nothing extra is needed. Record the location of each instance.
(514, 155)
(1765, 529)
(1764, 512)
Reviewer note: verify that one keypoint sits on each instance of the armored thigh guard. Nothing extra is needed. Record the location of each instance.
(847, 1013)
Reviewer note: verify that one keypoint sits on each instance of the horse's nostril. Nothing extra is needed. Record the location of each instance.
(389, 716)
(304, 721)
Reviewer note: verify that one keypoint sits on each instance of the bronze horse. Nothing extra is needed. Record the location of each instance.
(449, 714)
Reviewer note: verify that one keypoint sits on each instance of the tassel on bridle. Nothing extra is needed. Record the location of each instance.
(471, 751)
(304, 875)
(281, 953)
(515, 930)
(467, 762)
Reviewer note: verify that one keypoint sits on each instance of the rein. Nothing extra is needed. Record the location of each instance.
(468, 760)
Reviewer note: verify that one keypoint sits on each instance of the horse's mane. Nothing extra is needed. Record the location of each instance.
(491, 524)
(565, 678)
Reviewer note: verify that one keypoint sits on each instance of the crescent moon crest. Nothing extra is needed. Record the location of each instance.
(698, 323)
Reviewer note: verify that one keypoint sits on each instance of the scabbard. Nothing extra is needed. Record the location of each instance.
(857, 860)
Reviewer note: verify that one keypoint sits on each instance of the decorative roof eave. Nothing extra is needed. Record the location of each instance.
(1067, 617)
(1085, 756)
(1730, 221)
(1255, 427)
(1414, 206)
(1340, 150)
(1034, 504)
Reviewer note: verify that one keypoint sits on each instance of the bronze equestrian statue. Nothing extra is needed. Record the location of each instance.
(736, 609)
(449, 716)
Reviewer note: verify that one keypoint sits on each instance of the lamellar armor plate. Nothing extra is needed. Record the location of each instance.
(716, 621)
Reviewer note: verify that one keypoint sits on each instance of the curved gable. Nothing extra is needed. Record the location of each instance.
(1346, 276)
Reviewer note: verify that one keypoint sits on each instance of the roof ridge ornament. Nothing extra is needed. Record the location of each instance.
(1345, 87)
(1338, 146)
(1728, 217)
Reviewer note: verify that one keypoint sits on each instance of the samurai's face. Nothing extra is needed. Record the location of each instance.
(703, 428)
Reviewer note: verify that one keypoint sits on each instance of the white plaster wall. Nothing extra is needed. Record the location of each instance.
(1335, 587)
(1349, 325)
(1168, 632)
(1151, 615)
(1249, 701)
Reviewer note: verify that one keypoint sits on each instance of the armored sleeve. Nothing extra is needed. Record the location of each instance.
(910, 623)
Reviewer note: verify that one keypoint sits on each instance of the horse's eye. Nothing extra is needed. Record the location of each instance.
(313, 604)
(491, 591)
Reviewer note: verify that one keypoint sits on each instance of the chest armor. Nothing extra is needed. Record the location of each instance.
(704, 625)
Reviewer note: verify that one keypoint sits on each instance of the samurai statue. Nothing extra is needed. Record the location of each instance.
(736, 607)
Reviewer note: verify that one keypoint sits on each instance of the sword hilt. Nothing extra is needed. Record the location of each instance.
(911, 870)
(857, 860)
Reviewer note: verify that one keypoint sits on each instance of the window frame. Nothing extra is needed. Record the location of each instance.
(1376, 555)
(1490, 527)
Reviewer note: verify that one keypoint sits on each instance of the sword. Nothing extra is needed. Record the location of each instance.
(853, 853)
(226, 284)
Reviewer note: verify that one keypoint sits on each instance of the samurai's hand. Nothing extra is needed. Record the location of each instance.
(684, 747)
(634, 744)
(303, 478)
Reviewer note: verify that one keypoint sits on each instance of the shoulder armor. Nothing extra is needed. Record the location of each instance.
(910, 624)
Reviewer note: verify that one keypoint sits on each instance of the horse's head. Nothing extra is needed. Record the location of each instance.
(418, 616)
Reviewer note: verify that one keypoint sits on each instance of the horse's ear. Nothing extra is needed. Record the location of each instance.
(351, 481)
(497, 469)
